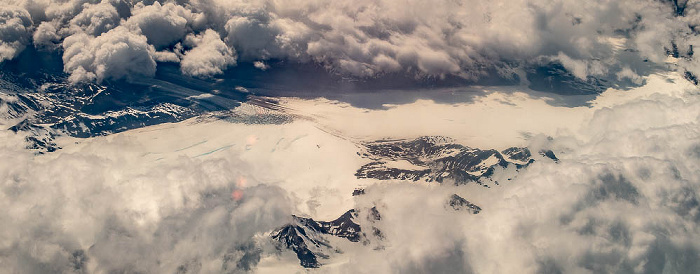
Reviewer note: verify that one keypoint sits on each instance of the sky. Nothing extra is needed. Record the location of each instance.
(203, 195)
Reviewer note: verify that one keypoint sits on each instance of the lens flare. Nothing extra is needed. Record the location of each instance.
(242, 182)
(251, 140)
(237, 195)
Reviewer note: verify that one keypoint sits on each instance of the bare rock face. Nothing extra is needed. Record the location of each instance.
(458, 203)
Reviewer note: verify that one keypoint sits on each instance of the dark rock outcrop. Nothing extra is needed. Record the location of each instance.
(306, 237)
(438, 159)
(458, 203)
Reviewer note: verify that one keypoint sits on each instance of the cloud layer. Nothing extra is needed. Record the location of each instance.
(371, 38)
(94, 222)
(116, 54)
(208, 56)
(15, 30)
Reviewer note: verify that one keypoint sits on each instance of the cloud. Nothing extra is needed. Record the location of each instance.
(374, 38)
(627, 73)
(96, 19)
(582, 68)
(209, 55)
(95, 222)
(115, 54)
(46, 36)
(163, 25)
(15, 31)
(261, 65)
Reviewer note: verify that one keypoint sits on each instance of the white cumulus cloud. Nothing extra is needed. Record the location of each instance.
(369, 38)
(115, 54)
(163, 25)
(15, 31)
(97, 19)
(209, 55)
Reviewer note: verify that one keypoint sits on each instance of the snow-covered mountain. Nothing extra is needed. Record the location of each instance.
(307, 237)
(437, 158)
(42, 103)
